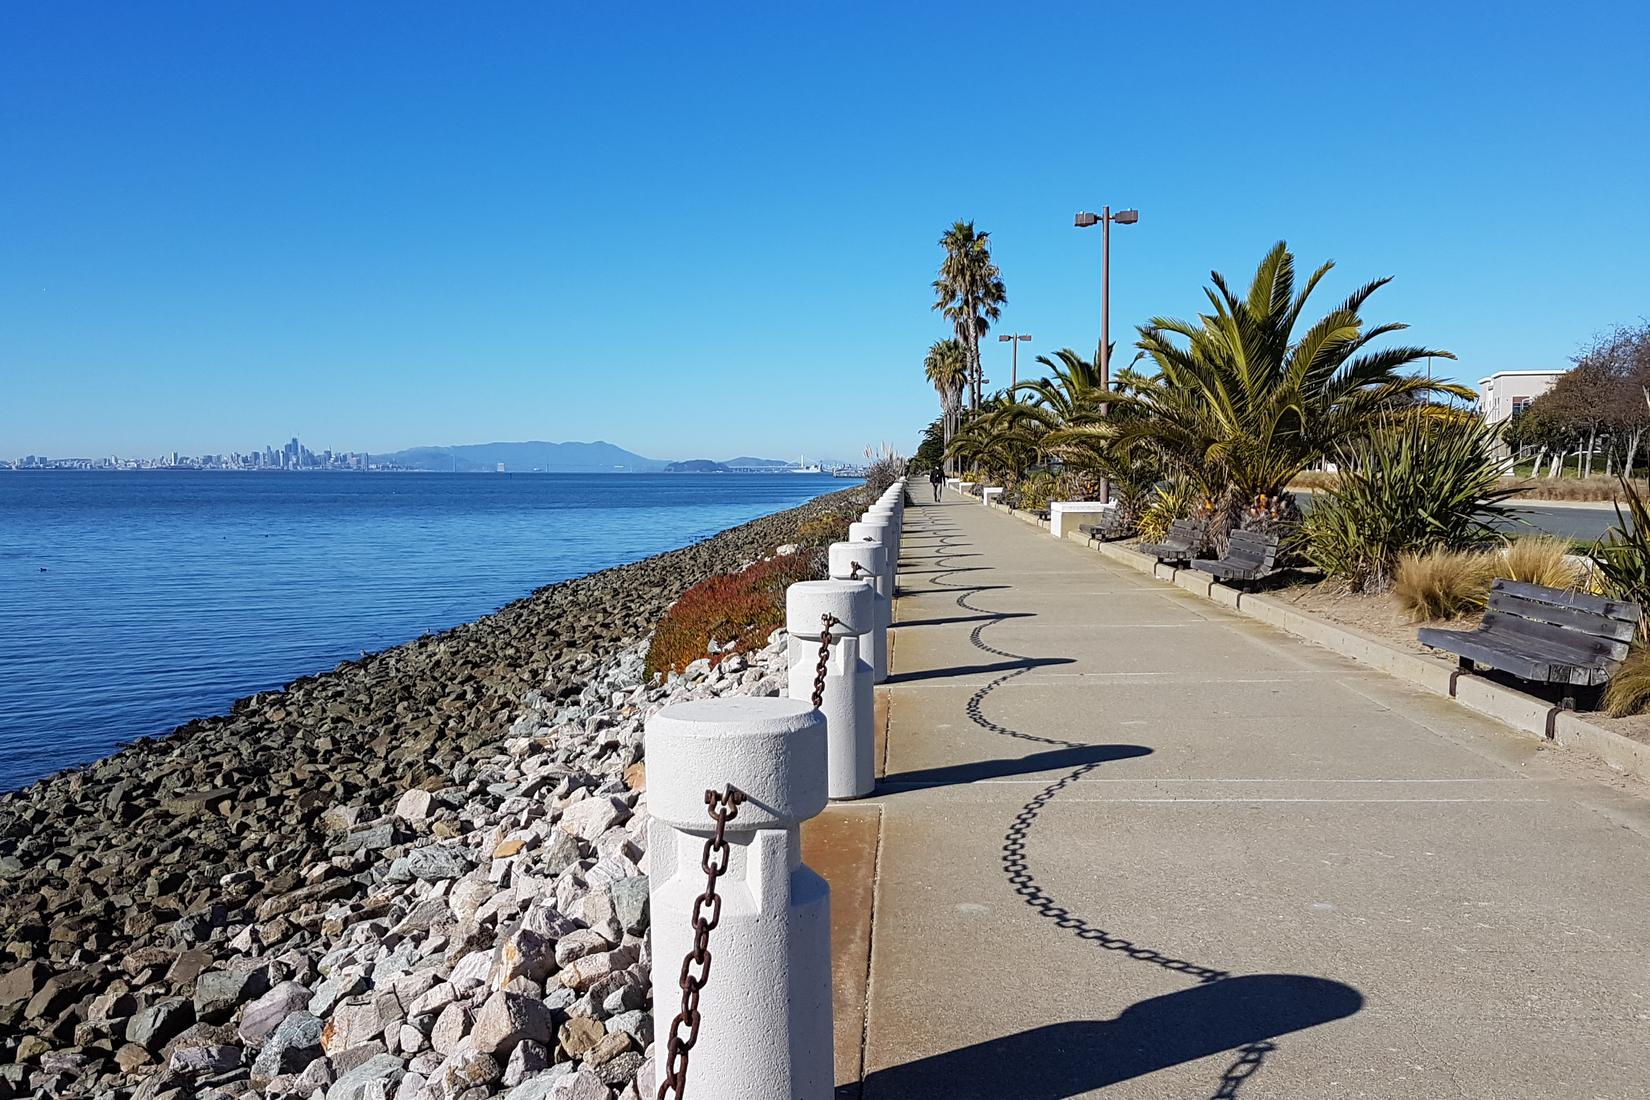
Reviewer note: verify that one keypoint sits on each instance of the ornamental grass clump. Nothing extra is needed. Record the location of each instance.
(737, 611)
(1541, 559)
(1442, 584)
(1628, 691)
(1425, 481)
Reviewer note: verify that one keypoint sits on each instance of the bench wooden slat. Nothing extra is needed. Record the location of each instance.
(1512, 627)
(1474, 646)
(1588, 622)
(1567, 598)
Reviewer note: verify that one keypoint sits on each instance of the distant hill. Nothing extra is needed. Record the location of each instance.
(696, 466)
(533, 456)
(749, 463)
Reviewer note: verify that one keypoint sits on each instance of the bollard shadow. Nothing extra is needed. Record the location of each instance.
(988, 617)
(971, 670)
(1054, 760)
(1071, 1059)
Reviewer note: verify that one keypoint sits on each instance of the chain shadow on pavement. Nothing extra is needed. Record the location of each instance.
(1063, 1060)
(1076, 756)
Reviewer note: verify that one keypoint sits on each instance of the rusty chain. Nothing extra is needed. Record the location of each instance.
(723, 807)
(829, 621)
(857, 571)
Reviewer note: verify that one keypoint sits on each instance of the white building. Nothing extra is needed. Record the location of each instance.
(1507, 393)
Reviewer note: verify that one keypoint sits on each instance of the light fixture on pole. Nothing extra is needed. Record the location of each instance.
(1014, 341)
(1104, 220)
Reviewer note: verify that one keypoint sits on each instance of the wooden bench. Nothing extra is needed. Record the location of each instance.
(1111, 526)
(1181, 543)
(1249, 556)
(1550, 635)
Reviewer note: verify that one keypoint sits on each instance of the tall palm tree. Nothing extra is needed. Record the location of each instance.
(946, 366)
(969, 292)
(1240, 403)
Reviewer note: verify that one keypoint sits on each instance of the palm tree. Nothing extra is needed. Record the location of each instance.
(969, 292)
(1240, 404)
(946, 366)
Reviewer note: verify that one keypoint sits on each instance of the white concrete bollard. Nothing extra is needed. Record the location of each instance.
(766, 1005)
(882, 513)
(865, 546)
(848, 702)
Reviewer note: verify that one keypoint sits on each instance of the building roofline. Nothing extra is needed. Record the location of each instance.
(1518, 373)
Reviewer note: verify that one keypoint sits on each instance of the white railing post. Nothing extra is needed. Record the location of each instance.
(869, 536)
(848, 699)
(765, 1009)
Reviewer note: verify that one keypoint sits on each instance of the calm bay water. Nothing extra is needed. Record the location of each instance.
(133, 602)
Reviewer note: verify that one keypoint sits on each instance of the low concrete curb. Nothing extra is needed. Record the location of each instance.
(1522, 712)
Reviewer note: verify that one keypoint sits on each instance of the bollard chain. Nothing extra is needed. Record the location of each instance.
(824, 658)
(724, 807)
(857, 571)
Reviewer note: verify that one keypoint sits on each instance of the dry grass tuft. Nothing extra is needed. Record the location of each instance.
(1442, 584)
(1540, 559)
(1314, 479)
(1565, 488)
(1629, 689)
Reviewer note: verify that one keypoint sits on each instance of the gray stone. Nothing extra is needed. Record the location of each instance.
(524, 954)
(294, 1044)
(364, 1081)
(539, 1086)
(354, 1022)
(630, 903)
(449, 1028)
(195, 1061)
(358, 1055)
(156, 1025)
(414, 805)
(218, 993)
(468, 1069)
(578, 944)
(528, 1058)
(334, 988)
(436, 864)
(508, 1018)
(263, 1015)
(591, 818)
(560, 853)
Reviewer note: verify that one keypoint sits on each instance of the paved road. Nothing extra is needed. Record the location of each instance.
(1581, 522)
(1135, 846)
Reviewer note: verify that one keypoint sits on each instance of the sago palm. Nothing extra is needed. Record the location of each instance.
(1240, 403)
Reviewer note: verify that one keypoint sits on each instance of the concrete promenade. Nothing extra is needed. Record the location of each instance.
(1133, 846)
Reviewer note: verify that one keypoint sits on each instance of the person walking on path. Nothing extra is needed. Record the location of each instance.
(936, 479)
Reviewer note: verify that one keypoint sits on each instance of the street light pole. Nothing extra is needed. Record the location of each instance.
(1104, 219)
(1013, 340)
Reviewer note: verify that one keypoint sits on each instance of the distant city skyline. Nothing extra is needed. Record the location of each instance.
(669, 226)
(294, 455)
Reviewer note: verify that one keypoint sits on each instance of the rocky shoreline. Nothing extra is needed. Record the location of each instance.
(420, 875)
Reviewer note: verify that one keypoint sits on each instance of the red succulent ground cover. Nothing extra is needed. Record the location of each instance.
(743, 608)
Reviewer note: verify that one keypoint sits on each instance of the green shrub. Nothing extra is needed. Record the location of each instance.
(1036, 489)
(1167, 503)
(1622, 557)
(738, 611)
(1443, 584)
(1421, 483)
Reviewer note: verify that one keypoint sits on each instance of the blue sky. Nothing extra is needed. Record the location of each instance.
(710, 229)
